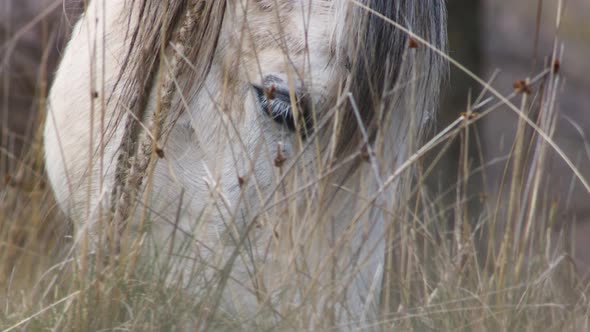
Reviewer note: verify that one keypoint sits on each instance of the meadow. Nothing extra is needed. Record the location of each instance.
(508, 265)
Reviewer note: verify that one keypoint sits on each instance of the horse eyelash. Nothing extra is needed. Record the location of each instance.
(278, 109)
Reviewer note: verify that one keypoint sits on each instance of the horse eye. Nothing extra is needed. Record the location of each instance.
(276, 103)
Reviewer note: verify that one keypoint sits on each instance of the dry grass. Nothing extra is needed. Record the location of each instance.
(504, 269)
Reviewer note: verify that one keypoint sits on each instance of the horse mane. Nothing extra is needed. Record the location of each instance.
(392, 75)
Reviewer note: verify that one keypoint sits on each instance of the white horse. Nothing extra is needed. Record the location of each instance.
(257, 136)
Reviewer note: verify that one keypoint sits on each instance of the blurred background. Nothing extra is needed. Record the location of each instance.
(510, 40)
(32, 35)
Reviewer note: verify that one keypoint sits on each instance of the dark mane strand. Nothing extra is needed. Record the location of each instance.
(383, 62)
